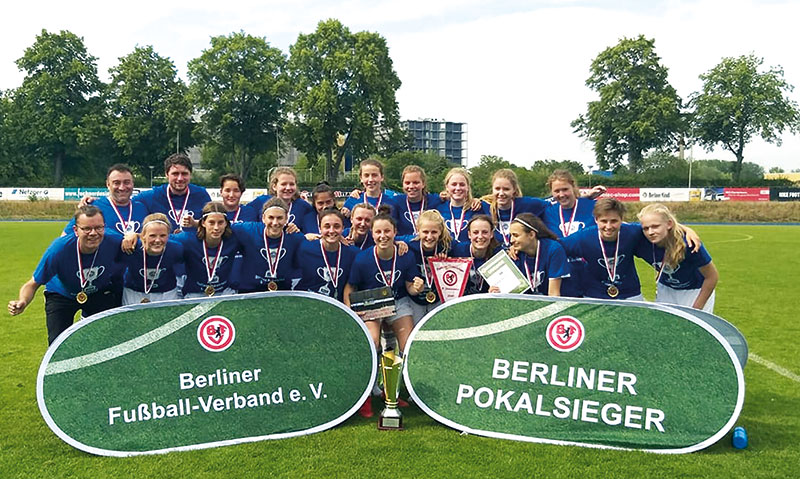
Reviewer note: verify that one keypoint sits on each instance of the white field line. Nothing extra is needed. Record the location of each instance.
(493, 328)
(770, 365)
(131, 345)
(746, 238)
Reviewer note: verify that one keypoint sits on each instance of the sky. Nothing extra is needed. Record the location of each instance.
(513, 70)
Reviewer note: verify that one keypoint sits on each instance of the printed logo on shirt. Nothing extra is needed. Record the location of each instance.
(90, 275)
(387, 273)
(565, 333)
(152, 274)
(411, 217)
(610, 265)
(273, 254)
(325, 275)
(131, 227)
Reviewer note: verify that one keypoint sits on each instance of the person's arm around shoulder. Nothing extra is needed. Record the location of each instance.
(26, 293)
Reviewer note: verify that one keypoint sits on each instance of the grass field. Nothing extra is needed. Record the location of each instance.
(759, 268)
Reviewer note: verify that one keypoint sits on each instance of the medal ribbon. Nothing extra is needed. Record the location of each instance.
(84, 280)
(506, 239)
(475, 268)
(411, 213)
(378, 264)
(183, 208)
(210, 271)
(273, 271)
(535, 268)
(566, 230)
(424, 265)
(130, 212)
(333, 273)
(456, 230)
(612, 275)
(238, 210)
(663, 263)
(378, 204)
(158, 267)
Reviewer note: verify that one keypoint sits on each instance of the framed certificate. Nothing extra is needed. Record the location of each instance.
(501, 271)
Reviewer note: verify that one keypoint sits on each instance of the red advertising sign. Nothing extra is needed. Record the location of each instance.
(746, 194)
(623, 194)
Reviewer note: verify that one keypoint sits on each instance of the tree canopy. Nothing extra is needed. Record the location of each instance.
(239, 86)
(58, 112)
(149, 106)
(638, 109)
(343, 97)
(738, 102)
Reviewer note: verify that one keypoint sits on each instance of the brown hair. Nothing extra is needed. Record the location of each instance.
(562, 175)
(177, 159)
(370, 162)
(416, 169)
(530, 223)
(88, 211)
(231, 177)
(493, 243)
(608, 204)
(121, 167)
(209, 208)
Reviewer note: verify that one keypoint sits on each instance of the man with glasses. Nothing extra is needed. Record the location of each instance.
(77, 272)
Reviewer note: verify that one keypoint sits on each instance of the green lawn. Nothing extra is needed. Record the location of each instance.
(759, 267)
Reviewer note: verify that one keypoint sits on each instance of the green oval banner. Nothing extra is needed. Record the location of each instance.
(193, 374)
(610, 374)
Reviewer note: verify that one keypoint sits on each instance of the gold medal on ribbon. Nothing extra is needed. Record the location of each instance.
(612, 291)
(209, 291)
(144, 300)
(81, 297)
(430, 297)
(272, 286)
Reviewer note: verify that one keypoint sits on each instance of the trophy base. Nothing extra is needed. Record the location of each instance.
(390, 420)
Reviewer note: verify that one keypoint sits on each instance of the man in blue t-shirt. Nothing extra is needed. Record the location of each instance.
(179, 199)
(77, 270)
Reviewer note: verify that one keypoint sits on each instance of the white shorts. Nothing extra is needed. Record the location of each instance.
(683, 297)
(200, 294)
(130, 296)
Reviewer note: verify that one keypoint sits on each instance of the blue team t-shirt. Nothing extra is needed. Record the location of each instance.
(523, 204)
(365, 274)
(585, 244)
(256, 274)
(299, 209)
(163, 278)
(686, 275)
(385, 199)
(194, 259)
(364, 243)
(316, 275)
(424, 269)
(457, 217)
(158, 200)
(583, 218)
(58, 267)
(407, 219)
(476, 283)
(129, 219)
(552, 265)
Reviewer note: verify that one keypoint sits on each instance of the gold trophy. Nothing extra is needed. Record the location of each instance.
(392, 368)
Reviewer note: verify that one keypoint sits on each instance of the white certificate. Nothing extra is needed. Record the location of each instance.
(501, 271)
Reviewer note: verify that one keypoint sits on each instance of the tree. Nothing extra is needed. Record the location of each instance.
(344, 95)
(239, 85)
(435, 167)
(482, 173)
(150, 108)
(638, 109)
(738, 102)
(59, 104)
(776, 169)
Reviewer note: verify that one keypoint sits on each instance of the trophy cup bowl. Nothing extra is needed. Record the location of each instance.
(391, 419)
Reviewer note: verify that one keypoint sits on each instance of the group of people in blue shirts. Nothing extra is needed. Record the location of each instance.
(173, 242)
